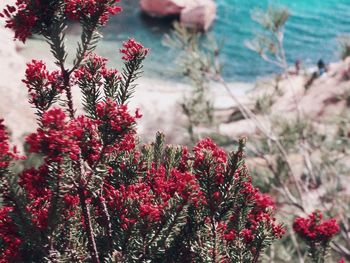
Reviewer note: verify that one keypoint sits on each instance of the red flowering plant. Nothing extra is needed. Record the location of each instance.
(317, 233)
(97, 195)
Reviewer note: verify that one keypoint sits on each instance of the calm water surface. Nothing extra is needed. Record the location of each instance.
(311, 33)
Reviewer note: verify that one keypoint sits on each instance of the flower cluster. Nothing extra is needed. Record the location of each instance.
(314, 229)
(43, 86)
(36, 73)
(27, 17)
(260, 216)
(88, 139)
(93, 74)
(216, 178)
(133, 50)
(8, 234)
(20, 19)
(56, 138)
(114, 121)
(153, 197)
(37, 186)
(82, 9)
(94, 184)
(92, 65)
(211, 158)
(35, 182)
(5, 154)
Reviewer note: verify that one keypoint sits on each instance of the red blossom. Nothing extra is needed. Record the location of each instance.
(249, 191)
(92, 66)
(56, 137)
(88, 138)
(6, 156)
(114, 121)
(133, 50)
(20, 19)
(210, 160)
(230, 236)
(207, 149)
(150, 212)
(43, 86)
(247, 235)
(70, 202)
(263, 201)
(313, 228)
(9, 235)
(82, 9)
(35, 182)
(38, 209)
(26, 17)
(151, 198)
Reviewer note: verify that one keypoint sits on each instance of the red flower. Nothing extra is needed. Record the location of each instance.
(20, 19)
(230, 236)
(56, 138)
(263, 201)
(92, 66)
(207, 148)
(313, 228)
(114, 121)
(133, 50)
(27, 16)
(5, 154)
(35, 182)
(9, 252)
(150, 212)
(82, 9)
(43, 86)
(247, 235)
(88, 138)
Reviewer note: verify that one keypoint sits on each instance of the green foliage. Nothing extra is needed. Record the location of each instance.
(344, 44)
(131, 72)
(268, 43)
(263, 103)
(198, 62)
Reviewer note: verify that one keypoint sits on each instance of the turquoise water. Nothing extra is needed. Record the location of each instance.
(311, 33)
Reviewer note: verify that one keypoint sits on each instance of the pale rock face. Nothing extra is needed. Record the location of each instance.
(199, 14)
(162, 8)
(193, 13)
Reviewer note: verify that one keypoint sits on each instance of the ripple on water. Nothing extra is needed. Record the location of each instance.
(311, 34)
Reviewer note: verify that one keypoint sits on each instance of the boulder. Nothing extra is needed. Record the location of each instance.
(193, 13)
(199, 14)
(162, 8)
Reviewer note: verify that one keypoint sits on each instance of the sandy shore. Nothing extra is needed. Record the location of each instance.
(158, 99)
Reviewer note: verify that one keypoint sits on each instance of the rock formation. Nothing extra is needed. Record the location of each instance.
(192, 13)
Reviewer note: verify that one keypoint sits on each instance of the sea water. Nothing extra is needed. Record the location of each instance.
(311, 34)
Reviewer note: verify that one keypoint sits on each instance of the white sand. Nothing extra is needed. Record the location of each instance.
(158, 99)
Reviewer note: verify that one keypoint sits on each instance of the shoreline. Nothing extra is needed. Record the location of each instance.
(158, 98)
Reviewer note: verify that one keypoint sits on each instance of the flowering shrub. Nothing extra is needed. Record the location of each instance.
(27, 17)
(317, 233)
(98, 196)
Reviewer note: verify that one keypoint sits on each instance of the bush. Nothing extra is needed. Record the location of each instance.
(99, 196)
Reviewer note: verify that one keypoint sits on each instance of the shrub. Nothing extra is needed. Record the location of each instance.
(98, 195)
(317, 233)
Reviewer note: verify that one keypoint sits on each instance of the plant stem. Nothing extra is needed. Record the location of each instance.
(68, 90)
(87, 219)
(213, 230)
(108, 223)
